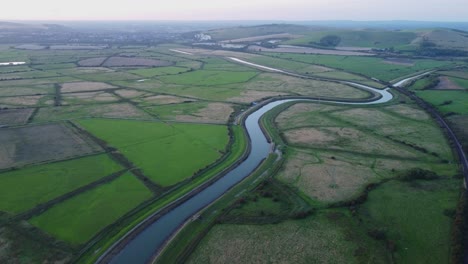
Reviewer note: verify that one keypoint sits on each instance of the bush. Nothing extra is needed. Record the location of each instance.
(377, 234)
(418, 174)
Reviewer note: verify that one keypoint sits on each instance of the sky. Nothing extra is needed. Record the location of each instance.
(421, 10)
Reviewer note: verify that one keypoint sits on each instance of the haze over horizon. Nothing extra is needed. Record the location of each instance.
(294, 10)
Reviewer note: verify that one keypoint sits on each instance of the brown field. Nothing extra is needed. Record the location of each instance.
(213, 113)
(93, 62)
(85, 86)
(40, 143)
(29, 100)
(129, 61)
(459, 74)
(118, 110)
(39, 89)
(344, 138)
(446, 84)
(127, 93)
(302, 50)
(91, 97)
(249, 96)
(15, 116)
(279, 83)
(165, 99)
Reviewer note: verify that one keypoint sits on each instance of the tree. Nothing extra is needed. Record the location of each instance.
(330, 41)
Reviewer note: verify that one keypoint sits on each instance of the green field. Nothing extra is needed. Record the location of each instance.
(151, 72)
(412, 216)
(25, 188)
(368, 66)
(209, 77)
(158, 148)
(446, 101)
(78, 219)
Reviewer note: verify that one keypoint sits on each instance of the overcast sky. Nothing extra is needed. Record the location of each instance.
(425, 10)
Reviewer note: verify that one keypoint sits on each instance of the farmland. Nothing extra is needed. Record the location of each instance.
(332, 155)
(75, 221)
(95, 139)
(368, 66)
(137, 140)
(42, 183)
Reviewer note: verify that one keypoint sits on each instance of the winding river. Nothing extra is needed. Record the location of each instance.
(145, 244)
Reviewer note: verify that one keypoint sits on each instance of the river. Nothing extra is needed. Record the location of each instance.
(145, 244)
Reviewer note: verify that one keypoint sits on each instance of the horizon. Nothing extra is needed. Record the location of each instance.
(209, 10)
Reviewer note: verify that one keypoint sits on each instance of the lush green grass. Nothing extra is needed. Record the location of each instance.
(359, 38)
(217, 64)
(412, 214)
(422, 84)
(78, 219)
(238, 148)
(167, 153)
(369, 66)
(446, 101)
(209, 78)
(25, 188)
(150, 72)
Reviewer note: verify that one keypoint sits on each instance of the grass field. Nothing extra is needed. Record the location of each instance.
(446, 101)
(209, 77)
(412, 215)
(368, 66)
(78, 219)
(151, 72)
(122, 110)
(329, 237)
(25, 188)
(161, 119)
(159, 148)
(194, 112)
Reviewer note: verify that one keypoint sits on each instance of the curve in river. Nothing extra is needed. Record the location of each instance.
(143, 246)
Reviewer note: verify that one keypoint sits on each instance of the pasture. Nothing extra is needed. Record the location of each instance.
(368, 66)
(25, 188)
(78, 219)
(158, 148)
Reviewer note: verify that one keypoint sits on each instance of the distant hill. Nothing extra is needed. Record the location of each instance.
(261, 30)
